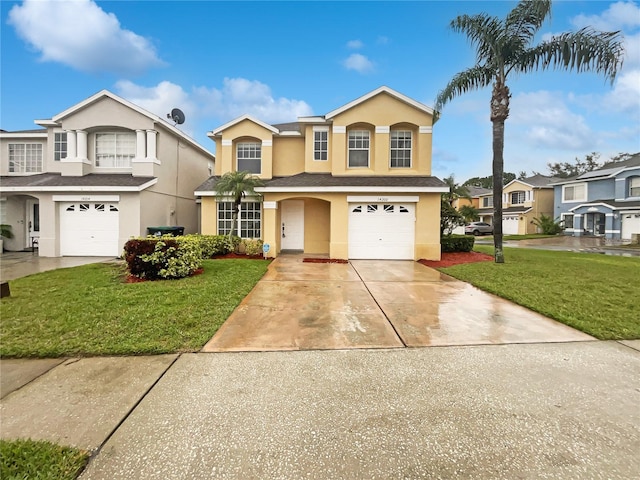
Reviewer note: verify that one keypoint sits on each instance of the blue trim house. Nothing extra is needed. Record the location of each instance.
(603, 202)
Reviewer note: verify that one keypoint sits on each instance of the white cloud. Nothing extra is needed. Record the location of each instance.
(359, 63)
(625, 96)
(355, 44)
(80, 34)
(619, 16)
(238, 96)
(548, 122)
(382, 40)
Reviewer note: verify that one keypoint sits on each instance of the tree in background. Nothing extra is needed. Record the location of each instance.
(487, 182)
(455, 191)
(450, 218)
(590, 163)
(504, 47)
(469, 213)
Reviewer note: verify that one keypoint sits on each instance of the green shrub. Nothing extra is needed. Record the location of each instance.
(547, 225)
(163, 257)
(212, 245)
(457, 243)
(252, 247)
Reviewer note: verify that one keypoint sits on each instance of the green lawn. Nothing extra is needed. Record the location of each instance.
(27, 459)
(90, 310)
(595, 293)
(531, 236)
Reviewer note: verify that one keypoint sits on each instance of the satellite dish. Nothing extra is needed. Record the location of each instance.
(177, 116)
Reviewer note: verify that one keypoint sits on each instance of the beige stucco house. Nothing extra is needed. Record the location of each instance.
(523, 200)
(95, 175)
(352, 184)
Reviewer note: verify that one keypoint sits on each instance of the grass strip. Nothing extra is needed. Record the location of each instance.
(29, 459)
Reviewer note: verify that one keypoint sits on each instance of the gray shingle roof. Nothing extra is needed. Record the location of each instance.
(34, 130)
(288, 127)
(57, 180)
(613, 203)
(540, 180)
(328, 180)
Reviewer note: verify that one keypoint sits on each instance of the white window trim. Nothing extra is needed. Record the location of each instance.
(572, 229)
(575, 200)
(24, 171)
(240, 219)
(324, 130)
(349, 149)
(259, 160)
(401, 149)
(628, 192)
(132, 156)
(57, 143)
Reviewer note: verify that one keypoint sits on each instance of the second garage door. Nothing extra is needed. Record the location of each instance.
(382, 231)
(89, 229)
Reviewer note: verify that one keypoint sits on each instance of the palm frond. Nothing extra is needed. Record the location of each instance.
(473, 78)
(582, 51)
(483, 31)
(524, 21)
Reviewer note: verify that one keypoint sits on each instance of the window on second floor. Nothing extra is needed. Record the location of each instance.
(249, 157)
(59, 146)
(25, 157)
(574, 193)
(115, 150)
(487, 202)
(358, 148)
(400, 148)
(634, 187)
(518, 197)
(320, 145)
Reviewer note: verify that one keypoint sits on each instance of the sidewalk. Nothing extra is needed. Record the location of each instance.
(566, 410)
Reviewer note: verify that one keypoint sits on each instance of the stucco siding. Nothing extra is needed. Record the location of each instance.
(288, 156)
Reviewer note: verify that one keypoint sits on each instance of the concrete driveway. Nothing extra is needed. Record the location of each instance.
(375, 304)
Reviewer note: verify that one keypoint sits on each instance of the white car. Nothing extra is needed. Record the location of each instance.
(478, 228)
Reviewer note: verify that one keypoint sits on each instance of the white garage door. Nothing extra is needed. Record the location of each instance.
(381, 231)
(89, 229)
(630, 224)
(510, 225)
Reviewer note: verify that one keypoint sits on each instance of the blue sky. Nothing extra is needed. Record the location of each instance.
(279, 60)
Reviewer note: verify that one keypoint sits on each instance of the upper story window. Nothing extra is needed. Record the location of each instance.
(634, 187)
(25, 157)
(115, 150)
(358, 148)
(249, 156)
(574, 193)
(321, 145)
(487, 202)
(59, 146)
(400, 148)
(518, 197)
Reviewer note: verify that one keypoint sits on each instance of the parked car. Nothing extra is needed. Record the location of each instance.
(478, 228)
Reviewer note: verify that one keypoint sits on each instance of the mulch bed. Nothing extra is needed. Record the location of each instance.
(134, 279)
(449, 259)
(324, 260)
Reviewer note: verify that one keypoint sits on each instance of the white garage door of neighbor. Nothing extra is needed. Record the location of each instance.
(630, 224)
(382, 231)
(510, 225)
(89, 229)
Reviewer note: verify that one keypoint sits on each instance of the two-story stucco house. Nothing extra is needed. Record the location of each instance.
(523, 200)
(604, 202)
(97, 174)
(354, 183)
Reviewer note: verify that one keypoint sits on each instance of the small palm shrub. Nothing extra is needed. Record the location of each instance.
(548, 225)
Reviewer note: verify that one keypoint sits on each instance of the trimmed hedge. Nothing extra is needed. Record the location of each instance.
(457, 243)
(163, 257)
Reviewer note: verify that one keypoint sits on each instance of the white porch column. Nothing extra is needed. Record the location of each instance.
(82, 145)
(141, 144)
(72, 151)
(151, 145)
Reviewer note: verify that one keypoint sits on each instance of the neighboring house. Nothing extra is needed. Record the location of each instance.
(523, 200)
(354, 183)
(603, 202)
(477, 196)
(97, 174)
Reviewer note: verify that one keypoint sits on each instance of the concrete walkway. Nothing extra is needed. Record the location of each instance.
(21, 264)
(563, 410)
(375, 304)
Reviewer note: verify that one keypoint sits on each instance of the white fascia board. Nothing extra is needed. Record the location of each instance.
(23, 135)
(290, 133)
(516, 180)
(313, 120)
(46, 123)
(385, 89)
(352, 189)
(593, 205)
(240, 119)
(81, 188)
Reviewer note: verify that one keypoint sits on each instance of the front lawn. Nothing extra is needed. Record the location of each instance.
(25, 459)
(90, 310)
(595, 293)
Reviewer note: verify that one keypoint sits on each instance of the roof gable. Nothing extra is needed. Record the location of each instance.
(235, 121)
(378, 91)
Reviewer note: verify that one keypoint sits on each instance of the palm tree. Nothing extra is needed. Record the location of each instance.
(504, 47)
(455, 191)
(236, 185)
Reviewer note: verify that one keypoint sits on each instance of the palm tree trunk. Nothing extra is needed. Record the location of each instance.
(234, 218)
(498, 171)
(499, 113)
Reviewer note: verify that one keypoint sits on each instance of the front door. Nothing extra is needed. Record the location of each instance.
(292, 225)
(33, 223)
(595, 223)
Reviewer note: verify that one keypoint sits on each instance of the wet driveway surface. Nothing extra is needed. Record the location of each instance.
(375, 304)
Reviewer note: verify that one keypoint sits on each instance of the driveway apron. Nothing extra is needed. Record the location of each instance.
(375, 304)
